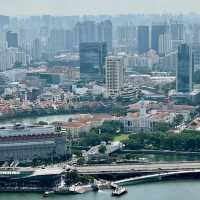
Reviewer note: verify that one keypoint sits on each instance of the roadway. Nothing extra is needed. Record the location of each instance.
(134, 168)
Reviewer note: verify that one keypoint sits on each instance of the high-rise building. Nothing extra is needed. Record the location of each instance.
(56, 41)
(177, 35)
(90, 31)
(156, 31)
(184, 72)
(168, 62)
(165, 44)
(196, 56)
(4, 20)
(196, 34)
(7, 58)
(125, 35)
(3, 42)
(105, 33)
(60, 40)
(12, 39)
(114, 75)
(36, 49)
(86, 31)
(21, 58)
(177, 31)
(92, 60)
(143, 39)
(68, 40)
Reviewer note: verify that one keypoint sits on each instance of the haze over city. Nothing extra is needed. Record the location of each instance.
(96, 7)
(97, 96)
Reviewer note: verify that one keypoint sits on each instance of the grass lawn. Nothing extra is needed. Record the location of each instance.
(121, 137)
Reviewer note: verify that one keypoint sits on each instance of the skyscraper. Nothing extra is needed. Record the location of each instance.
(143, 39)
(36, 49)
(68, 40)
(114, 75)
(12, 39)
(105, 33)
(4, 20)
(177, 31)
(177, 35)
(196, 56)
(184, 72)
(196, 34)
(165, 44)
(7, 58)
(156, 31)
(126, 37)
(92, 60)
(56, 41)
(86, 31)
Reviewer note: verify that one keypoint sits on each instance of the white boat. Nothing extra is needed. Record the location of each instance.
(80, 189)
(119, 191)
(47, 193)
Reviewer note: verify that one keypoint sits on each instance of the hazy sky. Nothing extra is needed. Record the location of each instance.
(83, 7)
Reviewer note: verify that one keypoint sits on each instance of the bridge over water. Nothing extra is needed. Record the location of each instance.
(155, 177)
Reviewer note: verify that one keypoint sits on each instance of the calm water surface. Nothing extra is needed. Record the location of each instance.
(172, 190)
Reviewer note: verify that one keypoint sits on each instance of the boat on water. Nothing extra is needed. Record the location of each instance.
(119, 191)
(101, 185)
(80, 189)
(47, 193)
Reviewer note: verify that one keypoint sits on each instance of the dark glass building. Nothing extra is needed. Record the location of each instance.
(156, 31)
(92, 60)
(12, 39)
(143, 39)
(184, 72)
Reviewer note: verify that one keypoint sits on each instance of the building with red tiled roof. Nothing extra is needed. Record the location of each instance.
(81, 124)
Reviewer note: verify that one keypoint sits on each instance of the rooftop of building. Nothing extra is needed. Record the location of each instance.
(84, 120)
(160, 115)
(195, 124)
(20, 130)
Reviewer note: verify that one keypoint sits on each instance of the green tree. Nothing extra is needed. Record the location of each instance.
(178, 120)
(102, 149)
(187, 141)
(119, 111)
(161, 126)
(111, 127)
(42, 123)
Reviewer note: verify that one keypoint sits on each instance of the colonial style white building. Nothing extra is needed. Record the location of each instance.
(137, 122)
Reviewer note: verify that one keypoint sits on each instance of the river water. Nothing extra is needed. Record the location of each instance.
(171, 190)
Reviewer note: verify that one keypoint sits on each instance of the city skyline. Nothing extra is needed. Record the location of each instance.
(95, 7)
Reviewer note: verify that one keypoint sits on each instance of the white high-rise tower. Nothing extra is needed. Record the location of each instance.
(114, 75)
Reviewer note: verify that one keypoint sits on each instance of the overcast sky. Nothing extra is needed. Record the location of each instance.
(95, 7)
